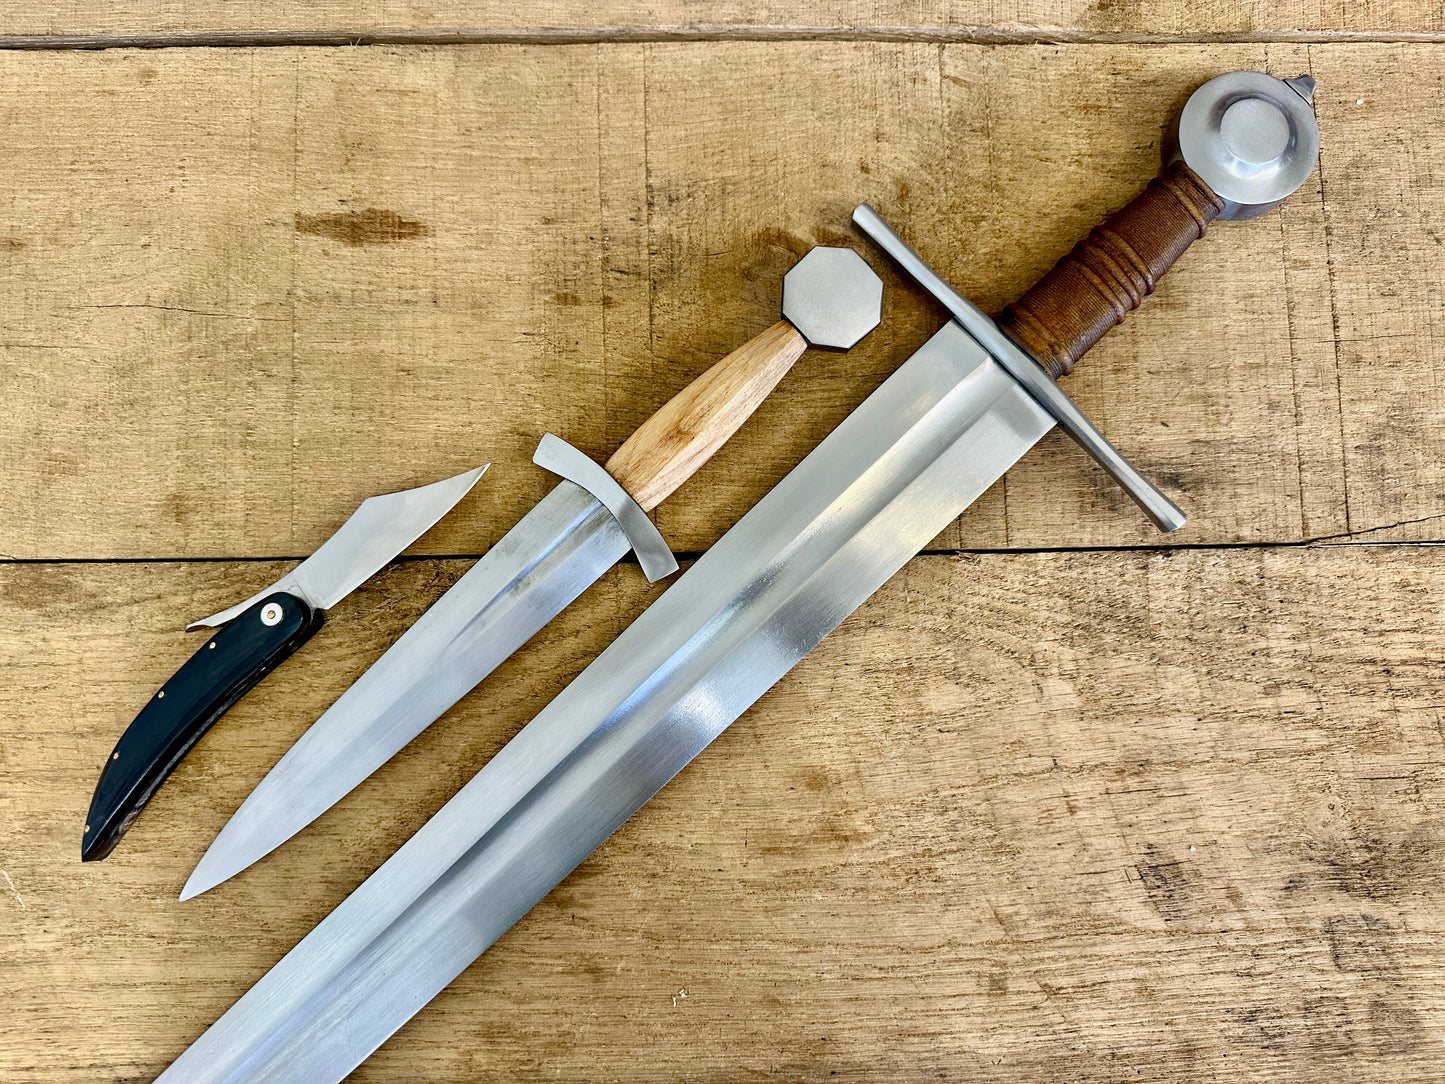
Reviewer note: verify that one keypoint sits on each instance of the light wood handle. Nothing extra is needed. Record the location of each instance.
(668, 447)
(1111, 271)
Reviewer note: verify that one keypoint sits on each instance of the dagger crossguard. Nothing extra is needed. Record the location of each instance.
(559, 457)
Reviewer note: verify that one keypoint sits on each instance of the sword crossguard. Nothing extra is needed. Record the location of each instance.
(1026, 370)
(1245, 141)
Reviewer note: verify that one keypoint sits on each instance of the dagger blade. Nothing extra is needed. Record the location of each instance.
(553, 554)
(902, 466)
(529, 578)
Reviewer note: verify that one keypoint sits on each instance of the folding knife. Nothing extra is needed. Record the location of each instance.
(254, 637)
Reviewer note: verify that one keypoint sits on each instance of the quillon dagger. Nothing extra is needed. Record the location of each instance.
(919, 450)
(255, 636)
(574, 534)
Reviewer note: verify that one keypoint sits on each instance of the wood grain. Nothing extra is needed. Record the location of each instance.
(327, 273)
(1019, 153)
(1026, 20)
(1092, 811)
(1104, 816)
(668, 448)
(334, 263)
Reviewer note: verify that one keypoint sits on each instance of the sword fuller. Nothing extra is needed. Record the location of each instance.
(923, 447)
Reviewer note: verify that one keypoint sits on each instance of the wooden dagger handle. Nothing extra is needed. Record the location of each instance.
(668, 447)
(1111, 271)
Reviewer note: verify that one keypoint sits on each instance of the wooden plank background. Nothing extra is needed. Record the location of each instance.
(245, 288)
(1064, 801)
(461, 20)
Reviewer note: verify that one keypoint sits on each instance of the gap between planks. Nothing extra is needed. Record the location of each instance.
(684, 557)
(706, 32)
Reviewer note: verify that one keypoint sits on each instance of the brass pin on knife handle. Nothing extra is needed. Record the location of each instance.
(222, 671)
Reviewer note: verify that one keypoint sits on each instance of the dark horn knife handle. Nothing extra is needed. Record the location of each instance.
(1111, 271)
(225, 668)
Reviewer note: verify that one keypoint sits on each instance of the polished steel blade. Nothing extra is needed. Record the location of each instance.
(379, 529)
(921, 448)
(549, 558)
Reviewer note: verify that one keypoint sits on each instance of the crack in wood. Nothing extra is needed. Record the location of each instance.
(702, 32)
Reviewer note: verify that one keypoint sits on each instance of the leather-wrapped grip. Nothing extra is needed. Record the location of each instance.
(1111, 271)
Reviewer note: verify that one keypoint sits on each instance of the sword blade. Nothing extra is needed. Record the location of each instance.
(923, 447)
(533, 573)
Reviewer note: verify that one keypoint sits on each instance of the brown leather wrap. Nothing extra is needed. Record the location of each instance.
(1111, 271)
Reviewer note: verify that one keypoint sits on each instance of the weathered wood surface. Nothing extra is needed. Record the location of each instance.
(1169, 814)
(1107, 817)
(1037, 20)
(242, 289)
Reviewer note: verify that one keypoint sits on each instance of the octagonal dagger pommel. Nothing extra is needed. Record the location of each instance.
(832, 297)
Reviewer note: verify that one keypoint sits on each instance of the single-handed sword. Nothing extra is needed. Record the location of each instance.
(919, 450)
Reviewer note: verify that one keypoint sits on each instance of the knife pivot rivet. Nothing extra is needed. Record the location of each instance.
(161, 695)
(271, 614)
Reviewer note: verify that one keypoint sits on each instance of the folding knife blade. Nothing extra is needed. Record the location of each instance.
(379, 529)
